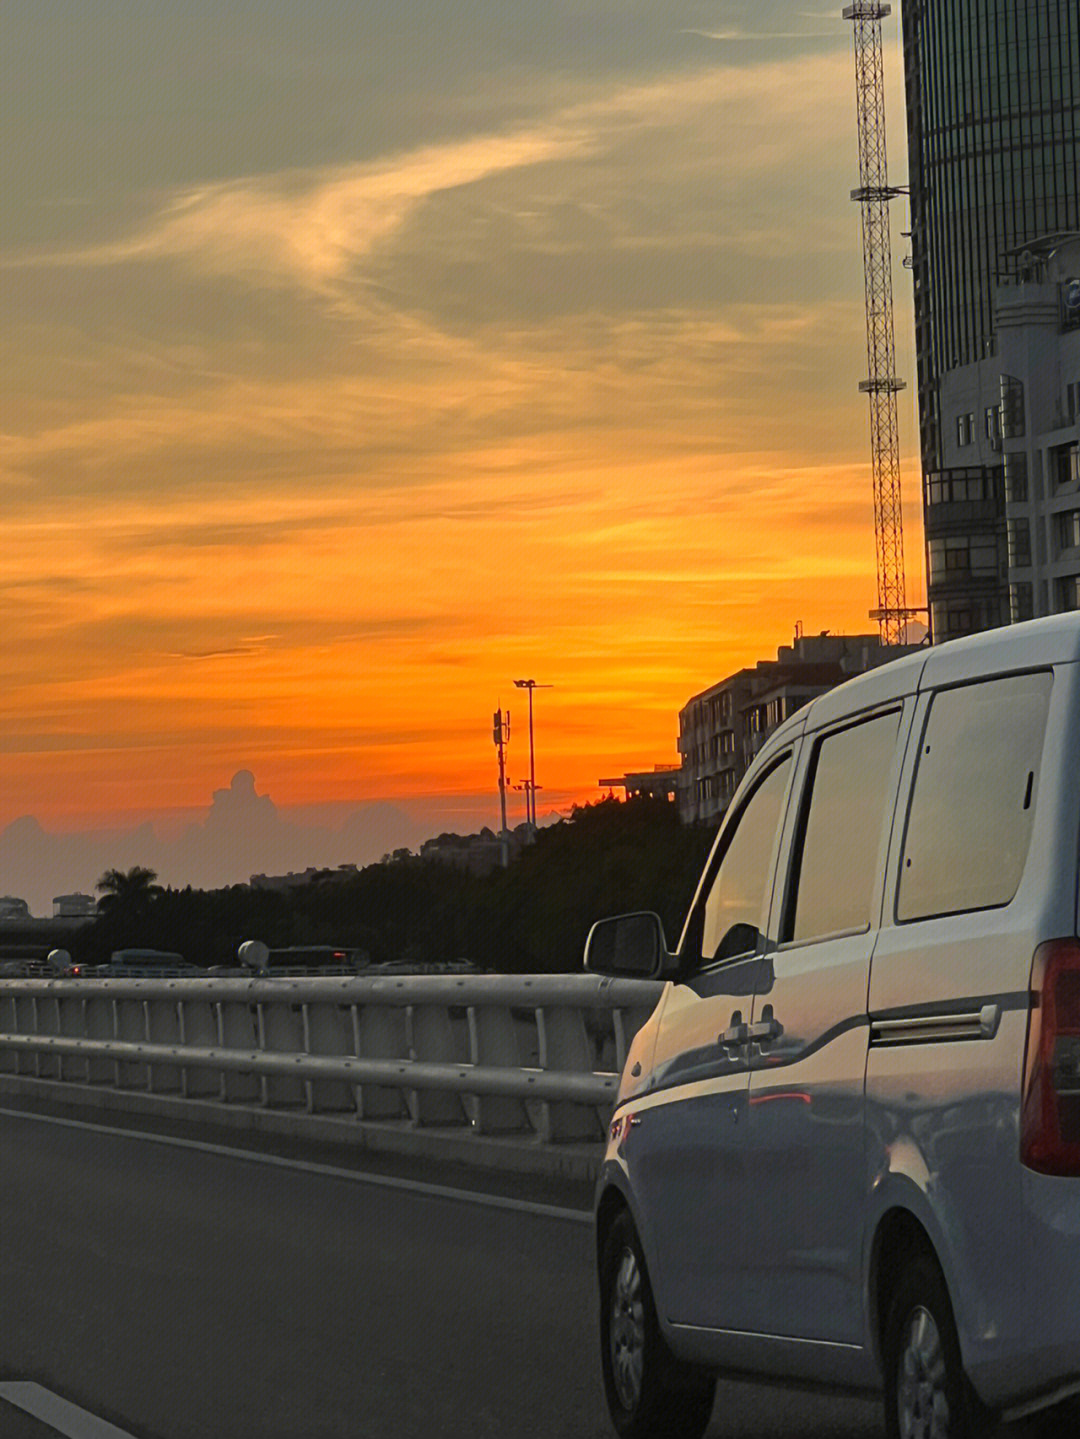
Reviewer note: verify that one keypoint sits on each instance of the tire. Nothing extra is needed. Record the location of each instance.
(650, 1394)
(927, 1394)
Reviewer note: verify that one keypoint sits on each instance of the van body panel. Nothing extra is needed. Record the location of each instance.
(806, 1361)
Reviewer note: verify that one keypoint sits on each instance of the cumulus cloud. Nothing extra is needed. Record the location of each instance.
(241, 833)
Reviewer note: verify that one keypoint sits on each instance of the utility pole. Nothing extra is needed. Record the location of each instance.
(530, 793)
(881, 384)
(500, 733)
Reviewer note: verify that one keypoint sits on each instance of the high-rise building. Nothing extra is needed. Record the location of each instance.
(993, 108)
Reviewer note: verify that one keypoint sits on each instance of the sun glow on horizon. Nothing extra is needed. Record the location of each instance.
(309, 451)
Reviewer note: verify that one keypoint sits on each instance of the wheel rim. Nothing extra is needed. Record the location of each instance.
(922, 1400)
(627, 1333)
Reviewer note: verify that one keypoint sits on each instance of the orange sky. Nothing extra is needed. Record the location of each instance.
(530, 356)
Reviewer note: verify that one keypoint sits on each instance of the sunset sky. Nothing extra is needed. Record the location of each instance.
(362, 356)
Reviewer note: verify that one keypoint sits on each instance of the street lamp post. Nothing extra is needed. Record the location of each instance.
(530, 796)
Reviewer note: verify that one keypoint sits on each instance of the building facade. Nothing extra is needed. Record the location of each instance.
(722, 728)
(993, 111)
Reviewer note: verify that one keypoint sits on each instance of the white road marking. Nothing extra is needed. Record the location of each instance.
(382, 1181)
(67, 1418)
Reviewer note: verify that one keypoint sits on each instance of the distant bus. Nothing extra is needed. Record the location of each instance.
(146, 963)
(316, 959)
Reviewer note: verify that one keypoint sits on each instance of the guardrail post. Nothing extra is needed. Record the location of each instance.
(199, 1027)
(328, 1029)
(380, 1034)
(432, 1041)
(239, 1031)
(100, 1019)
(25, 1023)
(9, 1059)
(281, 1029)
(73, 1067)
(131, 1029)
(493, 1041)
(564, 1044)
(47, 1021)
(163, 1027)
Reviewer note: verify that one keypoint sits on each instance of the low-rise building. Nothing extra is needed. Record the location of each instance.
(722, 728)
(74, 906)
(660, 782)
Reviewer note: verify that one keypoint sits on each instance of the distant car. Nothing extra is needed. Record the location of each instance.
(22, 968)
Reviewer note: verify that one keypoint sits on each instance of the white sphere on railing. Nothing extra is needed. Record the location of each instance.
(253, 954)
(58, 960)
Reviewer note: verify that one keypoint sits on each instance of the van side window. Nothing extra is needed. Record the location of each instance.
(741, 886)
(972, 806)
(836, 863)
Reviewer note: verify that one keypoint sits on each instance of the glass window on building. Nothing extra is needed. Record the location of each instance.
(1067, 593)
(1065, 466)
(983, 555)
(949, 556)
(992, 423)
(949, 620)
(1016, 478)
(1019, 545)
(1067, 530)
(1021, 602)
(1012, 408)
(965, 429)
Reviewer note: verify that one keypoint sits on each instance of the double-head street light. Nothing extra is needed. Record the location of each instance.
(530, 793)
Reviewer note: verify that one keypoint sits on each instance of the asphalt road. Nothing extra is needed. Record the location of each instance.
(186, 1294)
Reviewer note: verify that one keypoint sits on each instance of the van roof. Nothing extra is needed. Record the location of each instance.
(1034, 644)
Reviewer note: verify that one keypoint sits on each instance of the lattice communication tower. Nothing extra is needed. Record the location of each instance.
(881, 384)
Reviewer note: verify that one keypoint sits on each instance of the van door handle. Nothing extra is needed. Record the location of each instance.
(767, 1027)
(738, 1033)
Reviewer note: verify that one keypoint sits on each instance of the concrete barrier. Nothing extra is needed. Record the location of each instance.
(491, 1068)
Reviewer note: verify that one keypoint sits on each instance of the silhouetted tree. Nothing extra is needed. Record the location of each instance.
(131, 891)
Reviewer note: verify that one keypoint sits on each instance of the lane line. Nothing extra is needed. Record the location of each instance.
(330, 1171)
(63, 1416)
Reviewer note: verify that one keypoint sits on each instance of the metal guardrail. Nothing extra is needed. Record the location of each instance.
(532, 1055)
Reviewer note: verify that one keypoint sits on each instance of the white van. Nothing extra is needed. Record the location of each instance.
(846, 1148)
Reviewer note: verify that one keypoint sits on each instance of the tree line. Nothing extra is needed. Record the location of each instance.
(607, 858)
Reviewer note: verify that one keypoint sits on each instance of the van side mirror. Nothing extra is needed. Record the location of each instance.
(631, 946)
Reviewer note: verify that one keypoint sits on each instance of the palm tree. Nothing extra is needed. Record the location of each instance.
(129, 893)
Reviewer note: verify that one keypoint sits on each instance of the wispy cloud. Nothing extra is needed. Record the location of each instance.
(320, 228)
(312, 227)
(750, 35)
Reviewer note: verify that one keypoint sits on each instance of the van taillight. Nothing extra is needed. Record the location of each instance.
(1050, 1118)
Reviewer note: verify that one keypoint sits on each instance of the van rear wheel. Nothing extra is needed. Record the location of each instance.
(927, 1394)
(650, 1394)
